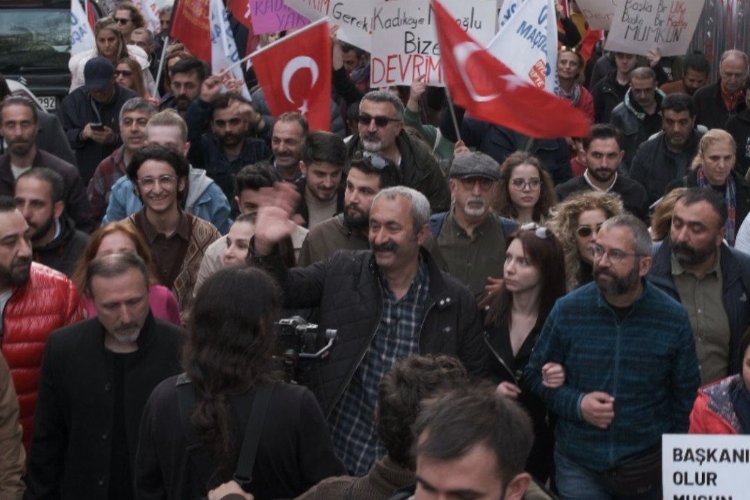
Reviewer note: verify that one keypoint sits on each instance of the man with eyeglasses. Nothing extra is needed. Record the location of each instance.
(709, 278)
(178, 240)
(368, 174)
(638, 117)
(381, 130)
(470, 238)
(226, 147)
(604, 155)
(631, 372)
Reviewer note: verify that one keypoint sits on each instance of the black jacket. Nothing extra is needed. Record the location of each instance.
(633, 195)
(735, 278)
(635, 124)
(79, 109)
(63, 252)
(656, 167)
(419, 168)
(72, 443)
(76, 202)
(345, 288)
(709, 107)
(607, 94)
(739, 127)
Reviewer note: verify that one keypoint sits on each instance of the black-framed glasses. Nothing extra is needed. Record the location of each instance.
(540, 232)
(522, 184)
(163, 180)
(615, 255)
(380, 121)
(586, 231)
(121, 20)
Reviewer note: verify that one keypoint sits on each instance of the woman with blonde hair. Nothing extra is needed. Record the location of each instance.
(661, 219)
(121, 236)
(525, 191)
(575, 222)
(713, 166)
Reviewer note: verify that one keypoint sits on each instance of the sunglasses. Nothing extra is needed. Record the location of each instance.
(120, 20)
(380, 121)
(586, 231)
(123, 72)
(540, 232)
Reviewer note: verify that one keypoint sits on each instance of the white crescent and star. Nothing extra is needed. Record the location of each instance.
(462, 52)
(294, 65)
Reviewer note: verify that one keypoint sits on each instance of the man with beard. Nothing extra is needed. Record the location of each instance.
(471, 239)
(55, 241)
(35, 300)
(226, 148)
(667, 156)
(631, 372)
(603, 148)
(381, 130)
(186, 78)
(711, 279)
(96, 377)
(288, 143)
(134, 117)
(19, 127)
(386, 303)
(368, 174)
(320, 189)
(91, 113)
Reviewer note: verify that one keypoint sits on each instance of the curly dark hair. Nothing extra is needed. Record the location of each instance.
(229, 351)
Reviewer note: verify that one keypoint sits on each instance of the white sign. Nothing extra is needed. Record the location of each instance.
(353, 17)
(223, 49)
(527, 43)
(639, 26)
(705, 466)
(405, 43)
(81, 36)
(598, 13)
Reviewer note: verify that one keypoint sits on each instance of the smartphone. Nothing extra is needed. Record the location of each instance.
(97, 126)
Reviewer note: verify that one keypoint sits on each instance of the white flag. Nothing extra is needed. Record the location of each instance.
(510, 7)
(527, 43)
(150, 11)
(223, 49)
(81, 36)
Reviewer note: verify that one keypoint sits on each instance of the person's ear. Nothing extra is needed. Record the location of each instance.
(517, 486)
(58, 209)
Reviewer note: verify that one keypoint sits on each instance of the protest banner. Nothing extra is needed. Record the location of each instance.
(353, 17)
(223, 49)
(189, 26)
(405, 44)
(527, 43)
(598, 13)
(270, 16)
(705, 466)
(639, 26)
(507, 10)
(81, 35)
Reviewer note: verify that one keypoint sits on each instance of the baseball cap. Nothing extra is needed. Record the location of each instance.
(98, 73)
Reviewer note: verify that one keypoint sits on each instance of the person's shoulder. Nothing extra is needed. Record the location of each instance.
(57, 164)
(69, 336)
(203, 227)
(706, 91)
(571, 186)
(42, 276)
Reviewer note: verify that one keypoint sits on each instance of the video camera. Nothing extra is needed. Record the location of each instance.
(298, 339)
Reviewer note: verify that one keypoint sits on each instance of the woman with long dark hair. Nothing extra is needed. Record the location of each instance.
(228, 362)
(533, 279)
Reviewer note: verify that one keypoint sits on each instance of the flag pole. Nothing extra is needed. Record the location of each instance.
(161, 62)
(453, 113)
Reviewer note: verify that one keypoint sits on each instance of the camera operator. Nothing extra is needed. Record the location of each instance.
(386, 303)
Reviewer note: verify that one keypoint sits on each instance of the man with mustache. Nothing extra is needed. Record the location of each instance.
(226, 147)
(666, 157)
(470, 238)
(604, 155)
(96, 378)
(134, 117)
(288, 138)
(387, 303)
(630, 368)
(709, 278)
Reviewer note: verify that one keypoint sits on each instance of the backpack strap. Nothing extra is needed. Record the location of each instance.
(244, 472)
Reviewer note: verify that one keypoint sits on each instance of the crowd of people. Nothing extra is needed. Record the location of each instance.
(514, 317)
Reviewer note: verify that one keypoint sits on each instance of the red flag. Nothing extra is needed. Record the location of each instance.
(190, 26)
(490, 91)
(91, 14)
(589, 43)
(240, 10)
(295, 74)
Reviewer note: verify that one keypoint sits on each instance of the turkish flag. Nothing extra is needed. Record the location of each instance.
(295, 74)
(490, 91)
(240, 10)
(190, 26)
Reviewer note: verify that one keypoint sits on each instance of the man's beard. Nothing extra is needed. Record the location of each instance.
(602, 174)
(39, 232)
(181, 103)
(472, 209)
(618, 285)
(372, 143)
(126, 334)
(230, 139)
(21, 148)
(18, 273)
(357, 219)
(689, 256)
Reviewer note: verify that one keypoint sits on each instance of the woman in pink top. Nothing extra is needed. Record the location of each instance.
(121, 237)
